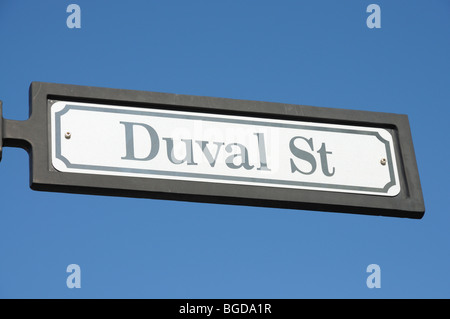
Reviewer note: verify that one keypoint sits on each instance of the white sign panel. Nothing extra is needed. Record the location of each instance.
(163, 144)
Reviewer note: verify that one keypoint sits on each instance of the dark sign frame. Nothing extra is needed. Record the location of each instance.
(34, 136)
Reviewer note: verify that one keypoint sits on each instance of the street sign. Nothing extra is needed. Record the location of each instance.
(157, 145)
(191, 146)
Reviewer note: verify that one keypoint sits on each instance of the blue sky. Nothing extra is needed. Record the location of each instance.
(318, 53)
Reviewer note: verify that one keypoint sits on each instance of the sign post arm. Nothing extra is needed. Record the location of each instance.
(1, 129)
(14, 133)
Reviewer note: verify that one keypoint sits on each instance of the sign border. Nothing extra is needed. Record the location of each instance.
(34, 136)
(156, 113)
